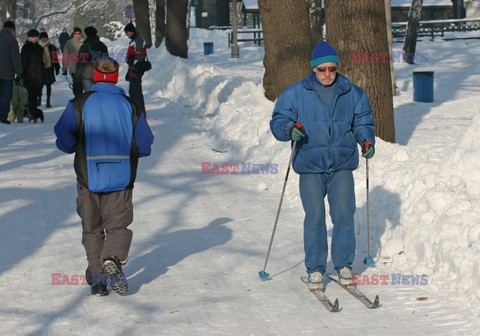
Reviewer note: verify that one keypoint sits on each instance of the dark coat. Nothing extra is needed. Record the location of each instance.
(32, 63)
(9, 55)
(62, 39)
(91, 51)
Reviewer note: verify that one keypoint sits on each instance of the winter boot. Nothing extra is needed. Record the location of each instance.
(112, 268)
(88, 277)
(48, 103)
(99, 290)
(345, 276)
(95, 278)
(315, 281)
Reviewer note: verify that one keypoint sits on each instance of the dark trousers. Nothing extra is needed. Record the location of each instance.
(6, 93)
(49, 93)
(105, 218)
(33, 99)
(77, 86)
(135, 91)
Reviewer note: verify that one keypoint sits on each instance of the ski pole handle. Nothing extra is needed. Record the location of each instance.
(299, 126)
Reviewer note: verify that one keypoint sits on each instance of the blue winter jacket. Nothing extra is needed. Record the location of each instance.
(108, 136)
(331, 136)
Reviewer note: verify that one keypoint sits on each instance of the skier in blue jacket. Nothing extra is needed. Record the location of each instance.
(336, 116)
(107, 132)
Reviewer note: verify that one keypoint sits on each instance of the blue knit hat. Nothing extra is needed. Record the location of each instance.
(323, 53)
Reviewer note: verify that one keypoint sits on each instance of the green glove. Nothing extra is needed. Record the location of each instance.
(297, 132)
(368, 150)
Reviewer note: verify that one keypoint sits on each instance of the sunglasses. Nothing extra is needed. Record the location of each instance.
(323, 69)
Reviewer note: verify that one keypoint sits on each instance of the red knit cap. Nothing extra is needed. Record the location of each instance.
(106, 70)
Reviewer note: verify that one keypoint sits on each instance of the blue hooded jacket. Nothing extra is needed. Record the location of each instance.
(107, 135)
(331, 135)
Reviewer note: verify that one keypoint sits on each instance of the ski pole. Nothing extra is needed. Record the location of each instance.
(368, 259)
(262, 274)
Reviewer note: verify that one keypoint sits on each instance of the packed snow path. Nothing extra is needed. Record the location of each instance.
(199, 241)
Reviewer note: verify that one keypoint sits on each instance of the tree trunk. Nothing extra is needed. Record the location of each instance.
(316, 21)
(24, 10)
(239, 14)
(78, 16)
(176, 35)
(142, 20)
(388, 12)
(358, 31)
(7, 10)
(189, 9)
(101, 8)
(410, 43)
(288, 44)
(159, 22)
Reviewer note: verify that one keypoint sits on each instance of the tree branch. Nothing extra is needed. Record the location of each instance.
(53, 13)
(60, 12)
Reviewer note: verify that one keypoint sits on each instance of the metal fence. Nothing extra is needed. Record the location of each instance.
(434, 28)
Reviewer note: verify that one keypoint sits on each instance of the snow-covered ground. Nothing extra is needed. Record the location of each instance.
(200, 239)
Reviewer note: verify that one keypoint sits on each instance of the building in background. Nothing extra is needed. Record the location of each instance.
(211, 13)
(431, 10)
(218, 13)
(472, 8)
(251, 13)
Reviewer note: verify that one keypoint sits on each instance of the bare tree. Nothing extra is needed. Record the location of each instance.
(78, 15)
(160, 27)
(358, 27)
(176, 35)
(288, 43)
(142, 20)
(316, 20)
(102, 8)
(410, 43)
(239, 17)
(388, 12)
(51, 14)
(7, 10)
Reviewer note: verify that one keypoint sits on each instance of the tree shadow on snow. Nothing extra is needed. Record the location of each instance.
(172, 248)
(384, 220)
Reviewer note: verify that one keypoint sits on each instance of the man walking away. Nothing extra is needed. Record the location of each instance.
(136, 53)
(91, 50)
(70, 59)
(11, 64)
(108, 133)
(63, 38)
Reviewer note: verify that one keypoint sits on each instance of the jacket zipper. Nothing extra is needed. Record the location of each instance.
(103, 162)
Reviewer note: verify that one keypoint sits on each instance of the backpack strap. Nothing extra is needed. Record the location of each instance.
(136, 112)
(78, 104)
